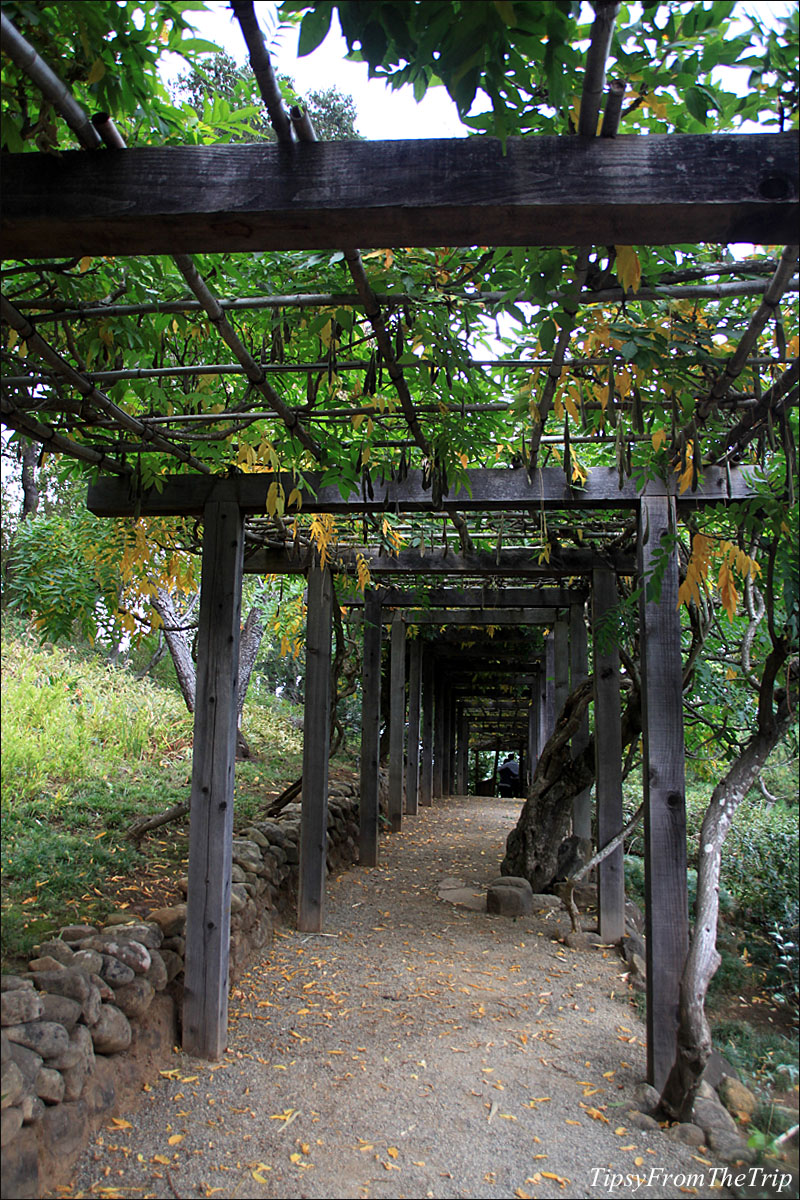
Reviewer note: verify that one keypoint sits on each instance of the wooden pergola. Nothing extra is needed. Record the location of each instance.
(299, 194)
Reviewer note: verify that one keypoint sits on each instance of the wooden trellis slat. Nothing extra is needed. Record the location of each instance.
(660, 189)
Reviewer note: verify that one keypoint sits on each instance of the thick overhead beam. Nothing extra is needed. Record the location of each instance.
(474, 598)
(510, 563)
(494, 489)
(536, 191)
(475, 616)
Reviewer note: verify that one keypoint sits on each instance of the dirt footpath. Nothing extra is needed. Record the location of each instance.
(415, 1049)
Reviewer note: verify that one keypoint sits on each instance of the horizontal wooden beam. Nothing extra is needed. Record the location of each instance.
(510, 563)
(475, 616)
(658, 189)
(494, 489)
(473, 598)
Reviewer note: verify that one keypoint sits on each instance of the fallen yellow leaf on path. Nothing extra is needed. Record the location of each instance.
(176, 1137)
(393, 1152)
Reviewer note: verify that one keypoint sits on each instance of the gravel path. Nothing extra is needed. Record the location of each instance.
(416, 1049)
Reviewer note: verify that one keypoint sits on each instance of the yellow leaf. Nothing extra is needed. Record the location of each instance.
(176, 1137)
(97, 72)
(629, 268)
(393, 1152)
(161, 1158)
(659, 438)
(522, 1195)
(259, 1178)
(295, 1158)
(637, 1162)
(118, 1123)
(85, 263)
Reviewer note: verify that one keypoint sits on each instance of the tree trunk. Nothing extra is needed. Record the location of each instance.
(252, 633)
(179, 644)
(30, 486)
(694, 1034)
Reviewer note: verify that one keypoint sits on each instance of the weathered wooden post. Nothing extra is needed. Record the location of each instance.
(462, 752)
(560, 665)
(549, 714)
(208, 912)
(533, 726)
(438, 737)
(369, 806)
(412, 753)
(316, 745)
(397, 719)
(607, 755)
(663, 774)
(578, 668)
(426, 762)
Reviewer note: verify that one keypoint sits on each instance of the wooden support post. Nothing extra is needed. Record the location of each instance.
(426, 761)
(397, 723)
(208, 912)
(438, 738)
(462, 770)
(549, 688)
(316, 744)
(608, 756)
(534, 726)
(370, 731)
(412, 753)
(578, 668)
(561, 664)
(447, 744)
(663, 773)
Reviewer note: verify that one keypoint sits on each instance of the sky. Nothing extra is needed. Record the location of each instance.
(382, 113)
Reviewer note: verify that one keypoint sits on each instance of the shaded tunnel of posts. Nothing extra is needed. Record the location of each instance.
(444, 693)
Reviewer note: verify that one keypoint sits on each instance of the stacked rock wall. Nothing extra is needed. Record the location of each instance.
(97, 1008)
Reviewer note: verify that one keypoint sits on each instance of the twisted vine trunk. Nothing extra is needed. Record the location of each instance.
(532, 846)
(694, 1034)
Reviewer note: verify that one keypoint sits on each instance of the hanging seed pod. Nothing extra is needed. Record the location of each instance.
(638, 415)
(697, 462)
(408, 316)
(402, 470)
(370, 377)
(619, 450)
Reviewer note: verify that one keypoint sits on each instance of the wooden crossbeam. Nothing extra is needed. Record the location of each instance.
(511, 563)
(440, 192)
(530, 597)
(475, 616)
(494, 489)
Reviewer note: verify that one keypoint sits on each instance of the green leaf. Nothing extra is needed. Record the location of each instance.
(314, 29)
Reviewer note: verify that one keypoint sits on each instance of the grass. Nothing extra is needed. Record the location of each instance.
(86, 750)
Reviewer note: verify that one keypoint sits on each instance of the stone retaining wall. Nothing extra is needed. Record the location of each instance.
(97, 1010)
